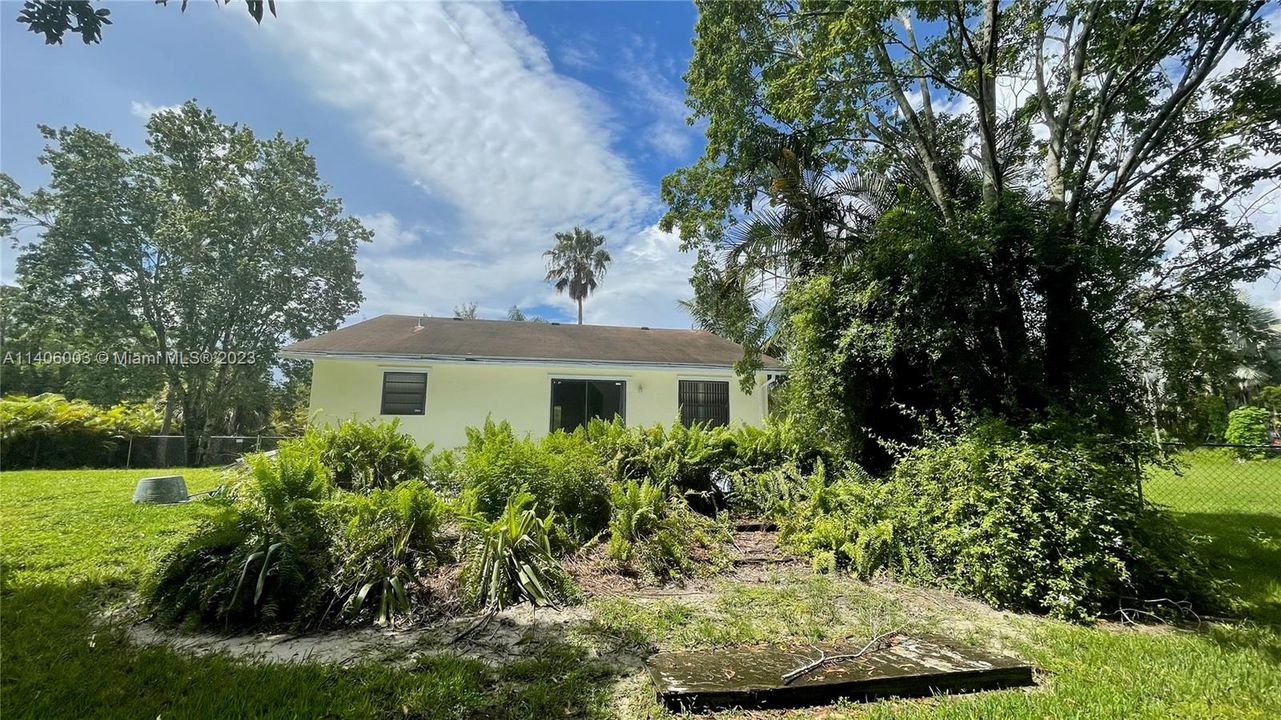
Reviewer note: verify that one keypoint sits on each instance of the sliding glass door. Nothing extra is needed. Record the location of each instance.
(574, 402)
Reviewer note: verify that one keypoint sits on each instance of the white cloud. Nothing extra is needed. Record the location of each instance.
(143, 110)
(389, 236)
(579, 55)
(465, 102)
(652, 92)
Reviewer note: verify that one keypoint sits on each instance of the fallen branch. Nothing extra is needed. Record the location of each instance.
(1129, 615)
(479, 623)
(880, 642)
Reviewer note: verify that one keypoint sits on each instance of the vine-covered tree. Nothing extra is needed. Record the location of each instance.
(210, 250)
(968, 205)
(577, 264)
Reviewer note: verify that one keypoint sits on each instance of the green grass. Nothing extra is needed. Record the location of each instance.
(1235, 507)
(72, 545)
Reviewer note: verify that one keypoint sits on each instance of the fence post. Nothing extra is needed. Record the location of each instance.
(258, 444)
(129, 455)
(1138, 474)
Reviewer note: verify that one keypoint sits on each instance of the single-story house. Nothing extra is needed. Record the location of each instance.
(440, 375)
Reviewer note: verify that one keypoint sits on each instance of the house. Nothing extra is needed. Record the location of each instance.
(440, 375)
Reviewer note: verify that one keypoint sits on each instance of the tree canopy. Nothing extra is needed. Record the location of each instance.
(210, 249)
(969, 205)
(55, 18)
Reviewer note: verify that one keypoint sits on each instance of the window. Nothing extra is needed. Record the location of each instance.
(574, 402)
(404, 393)
(704, 401)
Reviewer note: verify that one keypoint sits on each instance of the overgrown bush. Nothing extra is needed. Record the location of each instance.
(50, 431)
(366, 455)
(843, 524)
(656, 534)
(1019, 524)
(263, 558)
(772, 492)
(289, 546)
(386, 541)
(697, 461)
(512, 560)
(562, 471)
(1248, 425)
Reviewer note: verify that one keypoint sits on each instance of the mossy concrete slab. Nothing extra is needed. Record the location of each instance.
(753, 676)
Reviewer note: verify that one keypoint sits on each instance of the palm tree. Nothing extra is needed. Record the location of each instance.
(577, 264)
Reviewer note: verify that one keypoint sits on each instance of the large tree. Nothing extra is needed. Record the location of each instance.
(209, 251)
(577, 264)
(970, 203)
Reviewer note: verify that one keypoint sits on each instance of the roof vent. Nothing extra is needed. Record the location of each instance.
(644, 327)
(555, 323)
(458, 318)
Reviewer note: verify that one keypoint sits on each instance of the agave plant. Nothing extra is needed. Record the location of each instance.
(514, 561)
(390, 538)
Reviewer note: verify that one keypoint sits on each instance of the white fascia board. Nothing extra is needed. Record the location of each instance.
(460, 360)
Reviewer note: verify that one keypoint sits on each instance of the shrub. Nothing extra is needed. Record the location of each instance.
(562, 471)
(781, 440)
(1248, 426)
(699, 460)
(512, 560)
(288, 546)
(636, 509)
(576, 484)
(48, 430)
(844, 524)
(1022, 525)
(771, 492)
(361, 455)
(385, 542)
(263, 558)
(688, 459)
(658, 535)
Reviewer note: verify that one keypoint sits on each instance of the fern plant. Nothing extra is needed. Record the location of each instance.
(637, 509)
(363, 456)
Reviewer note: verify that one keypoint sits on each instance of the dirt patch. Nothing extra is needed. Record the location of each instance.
(523, 631)
(512, 634)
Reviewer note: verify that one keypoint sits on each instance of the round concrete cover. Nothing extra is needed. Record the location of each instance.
(165, 489)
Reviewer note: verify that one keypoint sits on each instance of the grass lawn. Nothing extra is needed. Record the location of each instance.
(72, 546)
(1236, 507)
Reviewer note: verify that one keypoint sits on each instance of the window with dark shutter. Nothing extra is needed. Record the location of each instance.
(704, 401)
(404, 393)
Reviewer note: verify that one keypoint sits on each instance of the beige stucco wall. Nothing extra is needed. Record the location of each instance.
(463, 393)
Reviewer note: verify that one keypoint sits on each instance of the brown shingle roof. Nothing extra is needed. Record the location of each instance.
(396, 335)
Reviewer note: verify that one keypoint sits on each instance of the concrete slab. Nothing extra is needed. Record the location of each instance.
(754, 676)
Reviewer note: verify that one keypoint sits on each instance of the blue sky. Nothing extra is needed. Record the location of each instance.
(464, 134)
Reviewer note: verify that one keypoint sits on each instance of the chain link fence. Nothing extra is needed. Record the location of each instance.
(139, 451)
(158, 451)
(1243, 479)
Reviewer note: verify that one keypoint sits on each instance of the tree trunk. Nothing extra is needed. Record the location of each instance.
(162, 454)
(580, 311)
(1060, 295)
